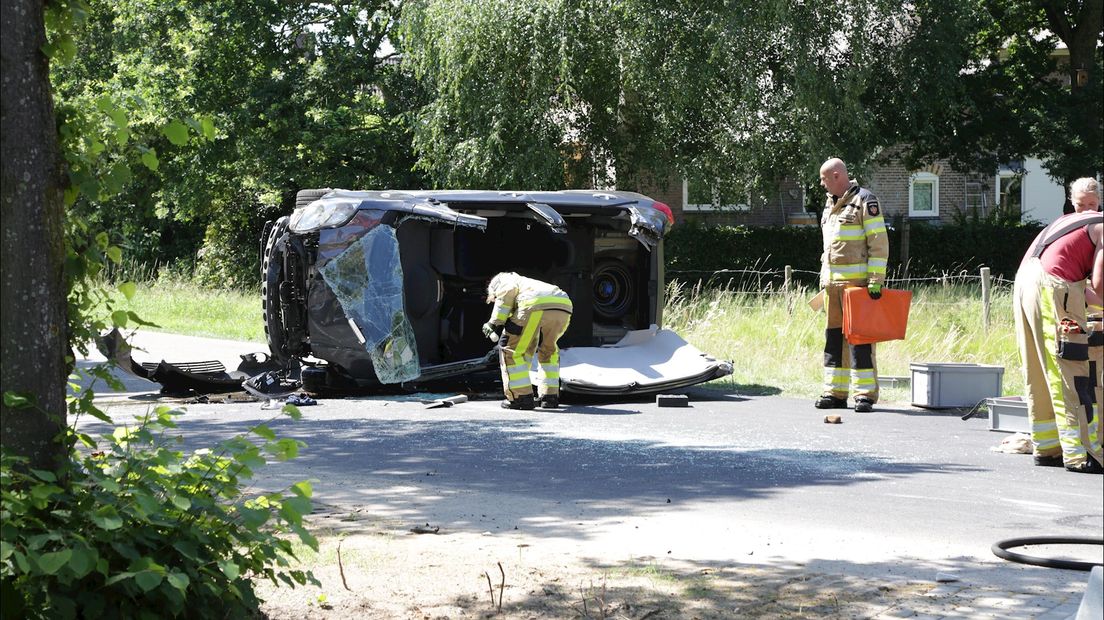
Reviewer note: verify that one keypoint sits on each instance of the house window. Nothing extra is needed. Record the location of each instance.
(924, 195)
(712, 195)
(974, 201)
(1010, 192)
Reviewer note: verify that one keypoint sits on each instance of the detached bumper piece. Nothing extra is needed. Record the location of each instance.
(647, 361)
(181, 378)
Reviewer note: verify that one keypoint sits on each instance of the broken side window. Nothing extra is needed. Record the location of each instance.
(367, 280)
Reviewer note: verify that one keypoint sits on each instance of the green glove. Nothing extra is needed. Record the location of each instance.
(875, 290)
(490, 331)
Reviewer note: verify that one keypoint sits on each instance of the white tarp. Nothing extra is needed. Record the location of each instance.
(643, 361)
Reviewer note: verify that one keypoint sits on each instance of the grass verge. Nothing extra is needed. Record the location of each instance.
(185, 308)
(774, 339)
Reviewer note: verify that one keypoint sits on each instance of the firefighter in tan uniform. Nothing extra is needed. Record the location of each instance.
(856, 249)
(1057, 342)
(533, 315)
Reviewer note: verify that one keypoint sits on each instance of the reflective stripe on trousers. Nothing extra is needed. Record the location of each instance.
(542, 330)
(846, 364)
(1059, 390)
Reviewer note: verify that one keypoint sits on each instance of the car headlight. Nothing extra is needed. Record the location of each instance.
(322, 213)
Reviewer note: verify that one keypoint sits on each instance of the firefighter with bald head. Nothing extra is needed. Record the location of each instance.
(532, 316)
(856, 249)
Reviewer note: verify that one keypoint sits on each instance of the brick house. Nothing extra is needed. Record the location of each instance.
(935, 193)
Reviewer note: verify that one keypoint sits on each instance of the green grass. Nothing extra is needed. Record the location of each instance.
(185, 308)
(774, 340)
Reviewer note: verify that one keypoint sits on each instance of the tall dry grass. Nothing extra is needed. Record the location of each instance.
(776, 341)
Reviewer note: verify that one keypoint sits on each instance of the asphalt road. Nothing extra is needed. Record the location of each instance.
(901, 491)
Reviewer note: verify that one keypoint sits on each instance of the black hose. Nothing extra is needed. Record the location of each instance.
(1000, 549)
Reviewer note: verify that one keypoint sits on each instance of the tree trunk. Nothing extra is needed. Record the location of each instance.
(33, 307)
(1081, 38)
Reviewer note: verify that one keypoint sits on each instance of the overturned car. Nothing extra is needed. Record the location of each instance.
(371, 288)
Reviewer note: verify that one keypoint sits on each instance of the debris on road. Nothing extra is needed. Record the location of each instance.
(445, 402)
(833, 419)
(672, 400)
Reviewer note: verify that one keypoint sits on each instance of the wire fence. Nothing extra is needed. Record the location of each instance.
(967, 287)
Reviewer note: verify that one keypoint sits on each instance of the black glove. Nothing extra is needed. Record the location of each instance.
(875, 290)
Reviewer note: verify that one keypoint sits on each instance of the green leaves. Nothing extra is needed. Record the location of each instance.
(16, 401)
(50, 563)
(128, 289)
(176, 132)
(141, 525)
(107, 518)
(149, 159)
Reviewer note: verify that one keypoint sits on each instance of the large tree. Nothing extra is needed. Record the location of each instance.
(744, 92)
(1021, 78)
(294, 94)
(33, 339)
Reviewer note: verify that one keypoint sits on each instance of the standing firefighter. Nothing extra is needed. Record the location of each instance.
(535, 314)
(1049, 301)
(856, 248)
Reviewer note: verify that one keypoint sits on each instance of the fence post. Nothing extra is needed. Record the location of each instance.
(905, 244)
(787, 278)
(985, 297)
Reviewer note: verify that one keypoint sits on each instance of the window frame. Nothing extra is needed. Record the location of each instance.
(714, 207)
(924, 177)
(1008, 172)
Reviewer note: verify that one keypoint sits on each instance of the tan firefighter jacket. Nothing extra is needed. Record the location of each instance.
(520, 296)
(856, 246)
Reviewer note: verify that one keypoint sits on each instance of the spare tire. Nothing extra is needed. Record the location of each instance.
(614, 289)
(306, 196)
(272, 272)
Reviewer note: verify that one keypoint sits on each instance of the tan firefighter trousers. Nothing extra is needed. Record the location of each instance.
(1058, 387)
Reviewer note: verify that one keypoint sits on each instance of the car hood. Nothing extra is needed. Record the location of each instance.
(646, 361)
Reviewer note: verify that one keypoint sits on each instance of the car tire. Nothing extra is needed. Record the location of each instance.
(306, 196)
(272, 268)
(614, 289)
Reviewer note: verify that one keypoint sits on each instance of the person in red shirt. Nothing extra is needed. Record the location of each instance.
(1049, 302)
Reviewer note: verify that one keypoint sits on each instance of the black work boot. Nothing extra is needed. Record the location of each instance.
(1090, 466)
(524, 403)
(864, 405)
(550, 401)
(830, 402)
(1048, 461)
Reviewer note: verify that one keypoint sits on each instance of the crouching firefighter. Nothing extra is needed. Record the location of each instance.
(532, 316)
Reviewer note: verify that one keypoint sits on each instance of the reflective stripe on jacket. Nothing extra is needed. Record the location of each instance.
(520, 296)
(856, 245)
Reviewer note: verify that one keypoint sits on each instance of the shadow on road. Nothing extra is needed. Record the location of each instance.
(406, 468)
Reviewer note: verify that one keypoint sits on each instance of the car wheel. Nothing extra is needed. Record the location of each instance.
(272, 267)
(614, 288)
(306, 196)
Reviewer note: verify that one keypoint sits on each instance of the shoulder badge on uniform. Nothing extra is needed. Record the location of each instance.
(872, 208)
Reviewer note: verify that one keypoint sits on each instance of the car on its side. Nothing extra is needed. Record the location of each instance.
(370, 288)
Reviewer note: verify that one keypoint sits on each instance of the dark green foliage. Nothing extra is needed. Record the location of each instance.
(284, 96)
(695, 252)
(141, 529)
(967, 247)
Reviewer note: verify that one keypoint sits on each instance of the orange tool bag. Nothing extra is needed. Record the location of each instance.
(867, 320)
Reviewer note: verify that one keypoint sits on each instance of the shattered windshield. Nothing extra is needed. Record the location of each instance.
(367, 280)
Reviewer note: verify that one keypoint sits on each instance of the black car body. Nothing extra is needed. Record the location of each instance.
(389, 287)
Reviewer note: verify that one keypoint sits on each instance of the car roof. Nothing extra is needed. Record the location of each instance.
(574, 197)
